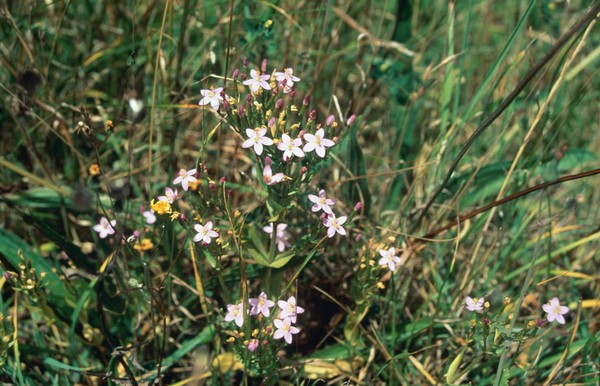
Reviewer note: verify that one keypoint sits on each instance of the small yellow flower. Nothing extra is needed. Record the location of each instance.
(363, 266)
(380, 285)
(161, 207)
(294, 108)
(472, 323)
(258, 107)
(109, 125)
(268, 114)
(531, 323)
(295, 126)
(193, 185)
(237, 213)
(144, 245)
(507, 300)
(268, 23)
(175, 216)
(255, 333)
(94, 170)
(486, 305)
(231, 339)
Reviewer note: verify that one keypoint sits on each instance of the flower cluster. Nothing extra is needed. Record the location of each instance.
(282, 322)
(553, 309)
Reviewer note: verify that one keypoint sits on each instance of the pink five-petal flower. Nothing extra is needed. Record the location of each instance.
(286, 76)
(290, 147)
(170, 195)
(317, 142)
(261, 305)
(235, 312)
(105, 228)
(334, 225)
(289, 309)
(555, 311)
(268, 176)
(185, 177)
(257, 81)
(474, 304)
(321, 202)
(205, 233)
(389, 258)
(257, 139)
(284, 329)
(281, 237)
(211, 96)
(252, 344)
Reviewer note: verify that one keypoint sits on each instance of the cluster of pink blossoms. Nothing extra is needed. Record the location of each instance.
(330, 220)
(553, 309)
(283, 322)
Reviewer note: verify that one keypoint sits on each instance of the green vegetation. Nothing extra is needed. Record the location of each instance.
(468, 133)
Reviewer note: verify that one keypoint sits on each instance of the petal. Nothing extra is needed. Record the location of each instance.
(266, 141)
(560, 319)
(197, 238)
(278, 334)
(288, 338)
(258, 148)
(551, 317)
(320, 151)
(563, 309)
(547, 308)
(248, 143)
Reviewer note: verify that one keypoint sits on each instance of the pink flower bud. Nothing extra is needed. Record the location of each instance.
(249, 99)
(236, 73)
(271, 122)
(279, 103)
(243, 76)
(241, 111)
(301, 133)
(312, 115)
(359, 237)
(303, 170)
(137, 233)
(212, 186)
(306, 100)
(263, 66)
(293, 94)
(358, 206)
(182, 217)
(245, 62)
(330, 120)
(230, 193)
(323, 216)
(222, 180)
(226, 105)
(351, 120)
(7, 276)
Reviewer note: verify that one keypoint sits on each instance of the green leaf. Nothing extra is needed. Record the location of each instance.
(282, 259)
(357, 190)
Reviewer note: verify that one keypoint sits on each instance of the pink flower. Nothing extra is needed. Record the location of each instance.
(105, 228)
(389, 258)
(211, 96)
(170, 195)
(252, 345)
(289, 309)
(287, 76)
(321, 202)
(281, 238)
(235, 313)
(149, 216)
(284, 329)
(290, 147)
(474, 304)
(257, 81)
(205, 233)
(257, 139)
(317, 142)
(555, 311)
(185, 177)
(335, 225)
(261, 305)
(268, 176)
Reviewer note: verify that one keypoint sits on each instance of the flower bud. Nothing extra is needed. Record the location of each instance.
(330, 120)
(236, 73)
(303, 170)
(226, 105)
(222, 180)
(359, 237)
(351, 120)
(245, 62)
(241, 111)
(312, 115)
(279, 103)
(229, 192)
(182, 217)
(358, 206)
(212, 186)
(7, 275)
(306, 100)
(323, 216)
(263, 66)
(271, 122)
(293, 94)
(243, 76)
(249, 99)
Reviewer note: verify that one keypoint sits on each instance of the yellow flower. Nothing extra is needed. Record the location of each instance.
(94, 170)
(161, 207)
(175, 216)
(144, 245)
